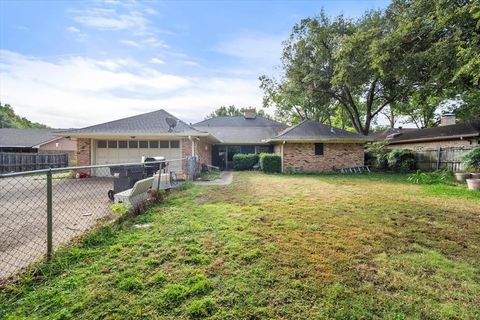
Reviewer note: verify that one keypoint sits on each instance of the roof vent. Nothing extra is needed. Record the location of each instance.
(250, 113)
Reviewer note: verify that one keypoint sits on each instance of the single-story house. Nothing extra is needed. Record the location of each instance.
(36, 141)
(309, 146)
(447, 135)
(382, 135)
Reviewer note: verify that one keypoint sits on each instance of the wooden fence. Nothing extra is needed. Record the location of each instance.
(439, 159)
(16, 162)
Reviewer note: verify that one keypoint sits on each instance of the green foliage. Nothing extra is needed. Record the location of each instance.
(119, 209)
(185, 185)
(201, 308)
(471, 160)
(9, 119)
(232, 110)
(378, 152)
(209, 175)
(438, 177)
(245, 161)
(401, 160)
(270, 162)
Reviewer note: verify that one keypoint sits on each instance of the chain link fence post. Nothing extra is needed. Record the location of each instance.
(49, 215)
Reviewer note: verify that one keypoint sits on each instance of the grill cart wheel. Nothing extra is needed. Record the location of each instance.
(111, 195)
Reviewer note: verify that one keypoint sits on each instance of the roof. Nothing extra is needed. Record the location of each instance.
(151, 123)
(313, 131)
(382, 135)
(454, 131)
(241, 130)
(26, 138)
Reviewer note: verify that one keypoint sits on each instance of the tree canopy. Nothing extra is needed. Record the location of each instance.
(9, 119)
(232, 110)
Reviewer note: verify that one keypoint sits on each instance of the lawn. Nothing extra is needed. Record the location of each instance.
(273, 246)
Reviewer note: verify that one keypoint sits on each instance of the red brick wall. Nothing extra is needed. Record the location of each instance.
(301, 157)
(83, 152)
(205, 154)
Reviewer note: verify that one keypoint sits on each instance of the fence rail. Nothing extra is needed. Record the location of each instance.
(441, 158)
(18, 162)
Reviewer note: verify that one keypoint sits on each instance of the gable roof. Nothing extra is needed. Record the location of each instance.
(151, 123)
(241, 130)
(382, 135)
(26, 138)
(454, 131)
(314, 131)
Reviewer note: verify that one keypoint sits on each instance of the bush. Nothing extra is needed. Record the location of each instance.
(378, 153)
(244, 161)
(401, 160)
(471, 160)
(270, 162)
(443, 177)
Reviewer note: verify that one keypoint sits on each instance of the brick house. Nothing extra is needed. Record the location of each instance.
(309, 146)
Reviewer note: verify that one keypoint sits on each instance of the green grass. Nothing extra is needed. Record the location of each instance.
(209, 175)
(273, 247)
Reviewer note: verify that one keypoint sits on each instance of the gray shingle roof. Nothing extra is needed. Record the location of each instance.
(310, 130)
(381, 135)
(25, 138)
(147, 123)
(238, 130)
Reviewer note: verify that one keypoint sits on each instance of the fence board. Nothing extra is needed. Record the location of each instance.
(17, 162)
(440, 159)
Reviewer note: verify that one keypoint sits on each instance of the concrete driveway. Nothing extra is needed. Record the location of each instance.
(78, 205)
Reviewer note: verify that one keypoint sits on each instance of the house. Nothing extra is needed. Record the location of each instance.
(36, 141)
(447, 135)
(309, 146)
(382, 135)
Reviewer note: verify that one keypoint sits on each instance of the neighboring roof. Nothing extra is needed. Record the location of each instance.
(455, 131)
(382, 135)
(241, 130)
(151, 123)
(26, 138)
(314, 131)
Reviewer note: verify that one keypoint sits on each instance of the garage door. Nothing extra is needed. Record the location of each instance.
(124, 151)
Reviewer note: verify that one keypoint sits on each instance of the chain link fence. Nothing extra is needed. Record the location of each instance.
(41, 210)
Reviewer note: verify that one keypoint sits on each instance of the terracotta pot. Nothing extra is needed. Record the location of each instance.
(475, 175)
(461, 176)
(473, 184)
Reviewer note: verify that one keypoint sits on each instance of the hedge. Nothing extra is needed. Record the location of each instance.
(244, 161)
(402, 160)
(270, 162)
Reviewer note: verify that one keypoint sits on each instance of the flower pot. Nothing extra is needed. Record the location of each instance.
(461, 176)
(473, 184)
(475, 175)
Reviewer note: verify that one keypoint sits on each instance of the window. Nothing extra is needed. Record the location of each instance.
(133, 144)
(143, 144)
(154, 144)
(247, 149)
(122, 144)
(101, 144)
(319, 149)
(164, 144)
(175, 144)
(112, 144)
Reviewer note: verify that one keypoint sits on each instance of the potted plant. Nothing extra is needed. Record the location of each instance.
(471, 161)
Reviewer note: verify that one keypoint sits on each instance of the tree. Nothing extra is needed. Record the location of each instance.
(231, 110)
(9, 119)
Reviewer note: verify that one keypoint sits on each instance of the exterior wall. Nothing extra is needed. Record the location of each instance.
(84, 152)
(300, 157)
(436, 144)
(204, 150)
(63, 145)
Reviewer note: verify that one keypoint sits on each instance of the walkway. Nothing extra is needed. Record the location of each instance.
(226, 177)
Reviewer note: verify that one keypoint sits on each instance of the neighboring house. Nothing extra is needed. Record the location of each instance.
(309, 146)
(36, 141)
(447, 135)
(382, 135)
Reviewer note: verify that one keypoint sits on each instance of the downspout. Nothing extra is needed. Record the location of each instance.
(193, 145)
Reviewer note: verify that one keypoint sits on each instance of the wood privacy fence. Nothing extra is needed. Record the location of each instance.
(440, 159)
(17, 162)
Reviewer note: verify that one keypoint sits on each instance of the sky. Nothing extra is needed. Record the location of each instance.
(71, 64)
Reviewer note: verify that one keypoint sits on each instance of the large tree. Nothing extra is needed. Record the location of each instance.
(232, 110)
(9, 119)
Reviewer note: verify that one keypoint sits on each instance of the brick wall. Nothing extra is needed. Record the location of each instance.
(203, 150)
(436, 144)
(83, 153)
(301, 157)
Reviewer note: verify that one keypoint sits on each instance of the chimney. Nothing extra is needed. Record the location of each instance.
(250, 113)
(447, 119)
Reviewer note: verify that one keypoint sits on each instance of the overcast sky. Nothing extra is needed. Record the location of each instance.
(73, 64)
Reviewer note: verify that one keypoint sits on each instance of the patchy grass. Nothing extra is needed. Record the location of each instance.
(209, 175)
(273, 246)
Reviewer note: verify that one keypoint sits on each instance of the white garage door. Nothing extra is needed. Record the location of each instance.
(123, 151)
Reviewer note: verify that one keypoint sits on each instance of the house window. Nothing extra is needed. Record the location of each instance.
(175, 144)
(101, 144)
(133, 144)
(164, 144)
(122, 144)
(143, 144)
(154, 144)
(112, 144)
(319, 149)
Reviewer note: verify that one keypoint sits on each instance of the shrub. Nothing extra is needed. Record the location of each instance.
(244, 161)
(378, 153)
(270, 162)
(436, 177)
(471, 160)
(401, 160)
